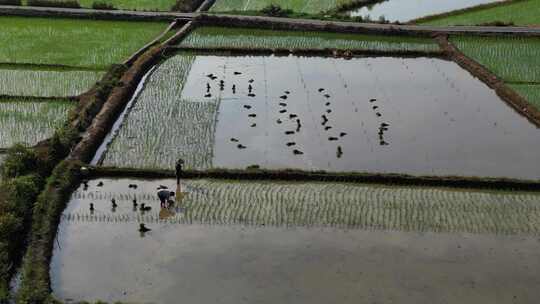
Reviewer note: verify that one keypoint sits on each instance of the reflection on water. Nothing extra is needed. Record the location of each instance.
(407, 10)
(420, 116)
(214, 263)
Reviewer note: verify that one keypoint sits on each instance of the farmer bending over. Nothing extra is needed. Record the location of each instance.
(164, 196)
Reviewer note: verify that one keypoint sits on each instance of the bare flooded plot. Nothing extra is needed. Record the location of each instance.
(24, 121)
(268, 258)
(46, 83)
(248, 38)
(407, 10)
(419, 116)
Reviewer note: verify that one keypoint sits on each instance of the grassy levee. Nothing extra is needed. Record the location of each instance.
(517, 12)
(75, 43)
(249, 38)
(25, 171)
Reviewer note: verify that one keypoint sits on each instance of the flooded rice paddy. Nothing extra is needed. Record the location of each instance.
(102, 255)
(421, 116)
(407, 10)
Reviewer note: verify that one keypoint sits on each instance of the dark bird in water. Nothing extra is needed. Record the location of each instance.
(327, 95)
(378, 114)
(210, 75)
(297, 152)
(251, 81)
(291, 144)
(135, 203)
(132, 186)
(279, 121)
(143, 229)
(328, 111)
(145, 208)
(292, 116)
(250, 88)
(332, 138)
(207, 86)
(234, 89)
(327, 128)
(383, 143)
(282, 111)
(282, 104)
(162, 187)
(251, 95)
(372, 100)
(222, 82)
(342, 134)
(208, 95)
(114, 205)
(253, 125)
(375, 107)
(240, 146)
(327, 104)
(91, 207)
(289, 132)
(100, 184)
(237, 73)
(252, 115)
(325, 119)
(283, 96)
(384, 124)
(287, 92)
(234, 139)
(321, 89)
(247, 107)
(339, 152)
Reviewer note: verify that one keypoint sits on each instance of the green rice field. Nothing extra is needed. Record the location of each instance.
(520, 13)
(46, 83)
(529, 92)
(70, 42)
(319, 204)
(147, 5)
(514, 59)
(220, 37)
(26, 121)
(298, 6)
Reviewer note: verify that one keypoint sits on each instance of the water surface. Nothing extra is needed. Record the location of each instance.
(407, 10)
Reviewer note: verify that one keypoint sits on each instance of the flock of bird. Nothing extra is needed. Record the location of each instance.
(383, 127)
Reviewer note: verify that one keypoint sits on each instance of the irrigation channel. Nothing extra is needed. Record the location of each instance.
(407, 10)
(419, 116)
(246, 242)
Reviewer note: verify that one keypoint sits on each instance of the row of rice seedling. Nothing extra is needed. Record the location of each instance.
(71, 42)
(515, 59)
(208, 37)
(163, 126)
(529, 92)
(148, 5)
(518, 12)
(325, 204)
(298, 6)
(25, 121)
(46, 83)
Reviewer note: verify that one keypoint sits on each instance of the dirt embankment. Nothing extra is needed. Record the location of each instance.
(520, 104)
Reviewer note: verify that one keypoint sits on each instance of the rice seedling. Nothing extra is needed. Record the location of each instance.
(529, 92)
(514, 59)
(78, 43)
(46, 83)
(517, 12)
(298, 6)
(163, 127)
(24, 121)
(208, 37)
(319, 204)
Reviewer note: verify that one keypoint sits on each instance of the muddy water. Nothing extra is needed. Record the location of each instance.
(110, 260)
(419, 116)
(407, 10)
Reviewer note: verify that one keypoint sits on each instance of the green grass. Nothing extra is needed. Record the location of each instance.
(529, 92)
(46, 83)
(70, 42)
(514, 59)
(162, 127)
(25, 121)
(150, 5)
(520, 13)
(324, 204)
(299, 6)
(208, 37)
